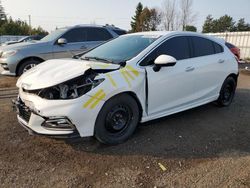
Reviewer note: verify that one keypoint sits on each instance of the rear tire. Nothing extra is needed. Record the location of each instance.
(117, 120)
(227, 92)
(27, 65)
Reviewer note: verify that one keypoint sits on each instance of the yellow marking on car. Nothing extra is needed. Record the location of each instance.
(95, 97)
(125, 77)
(97, 101)
(129, 75)
(134, 71)
(111, 80)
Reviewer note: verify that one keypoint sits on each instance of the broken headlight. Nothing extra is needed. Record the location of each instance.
(71, 89)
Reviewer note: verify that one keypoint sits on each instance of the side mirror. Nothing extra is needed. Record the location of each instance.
(164, 61)
(62, 41)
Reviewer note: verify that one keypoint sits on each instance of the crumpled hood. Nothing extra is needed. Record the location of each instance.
(53, 72)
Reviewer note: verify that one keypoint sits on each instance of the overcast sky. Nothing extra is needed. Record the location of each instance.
(57, 13)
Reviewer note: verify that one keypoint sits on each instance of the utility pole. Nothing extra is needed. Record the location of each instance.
(30, 23)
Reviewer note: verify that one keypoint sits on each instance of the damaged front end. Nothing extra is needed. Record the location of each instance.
(71, 89)
(64, 100)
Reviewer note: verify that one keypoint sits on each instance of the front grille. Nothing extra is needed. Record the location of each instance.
(24, 113)
(22, 110)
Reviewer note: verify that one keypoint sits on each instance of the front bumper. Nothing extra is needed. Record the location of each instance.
(33, 122)
(38, 110)
(10, 64)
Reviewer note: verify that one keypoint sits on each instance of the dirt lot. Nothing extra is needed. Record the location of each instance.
(204, 147)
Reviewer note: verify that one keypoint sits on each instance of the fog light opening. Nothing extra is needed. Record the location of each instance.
(60, 124)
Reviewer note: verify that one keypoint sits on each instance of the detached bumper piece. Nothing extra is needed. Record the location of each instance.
(53, 124)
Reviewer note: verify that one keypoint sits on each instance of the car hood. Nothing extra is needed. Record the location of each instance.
(21, 45)
(53, 72)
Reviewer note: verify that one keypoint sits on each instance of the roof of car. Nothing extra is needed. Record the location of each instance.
(92, 25)
(169, 33)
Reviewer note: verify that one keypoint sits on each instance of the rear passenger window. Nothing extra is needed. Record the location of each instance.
(218, 48)
(98, 34)
(202, 46)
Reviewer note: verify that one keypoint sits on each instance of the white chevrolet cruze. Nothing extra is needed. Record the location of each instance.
(135, 78)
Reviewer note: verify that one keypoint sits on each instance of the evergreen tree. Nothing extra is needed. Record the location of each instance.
(223, 24)
(191, 28)
(242, 25)
(208, 25)
(135, 24)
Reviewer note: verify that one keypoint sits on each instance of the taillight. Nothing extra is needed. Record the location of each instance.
(237, 59)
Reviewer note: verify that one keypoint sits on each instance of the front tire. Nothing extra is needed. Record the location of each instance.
(227, 92)
(25, 66)
(117, 120)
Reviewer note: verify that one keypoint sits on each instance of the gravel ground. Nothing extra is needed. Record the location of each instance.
(203, 147)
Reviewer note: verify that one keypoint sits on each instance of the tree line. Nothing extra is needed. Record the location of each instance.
(224, 24)
(8, 26)
(179, 15)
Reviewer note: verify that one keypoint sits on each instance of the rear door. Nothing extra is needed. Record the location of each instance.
(172, 87)
(209, 67)
(95, 37)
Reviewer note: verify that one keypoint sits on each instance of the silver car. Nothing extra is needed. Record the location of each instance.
(62, 43)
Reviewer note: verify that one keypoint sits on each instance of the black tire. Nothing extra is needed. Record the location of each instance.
(27, 65)
(227, 92)
(117, 120)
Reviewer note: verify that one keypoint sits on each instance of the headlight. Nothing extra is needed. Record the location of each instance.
(71, 89)
(9, 53)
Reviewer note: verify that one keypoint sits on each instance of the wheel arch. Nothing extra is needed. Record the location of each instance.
(26, 59)
(135, 97)
(234, 76)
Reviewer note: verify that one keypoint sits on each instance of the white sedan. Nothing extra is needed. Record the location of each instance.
(135, 78)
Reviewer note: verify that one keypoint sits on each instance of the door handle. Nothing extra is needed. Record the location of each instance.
(221, 61)
(189, 69)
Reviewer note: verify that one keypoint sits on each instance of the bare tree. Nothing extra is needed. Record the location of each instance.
(187, 15)
(169, 14)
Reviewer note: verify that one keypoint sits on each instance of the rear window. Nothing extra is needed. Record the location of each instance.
(202, 47)
(119, 31)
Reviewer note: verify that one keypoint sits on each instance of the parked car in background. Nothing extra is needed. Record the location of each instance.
(134, 78)
(17, 58)
(235, 50)
(24, 39)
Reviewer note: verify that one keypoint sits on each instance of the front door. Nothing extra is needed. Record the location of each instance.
(80, 40)
(171, 88)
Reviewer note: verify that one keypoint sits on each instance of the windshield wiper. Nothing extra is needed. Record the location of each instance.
(98, 59)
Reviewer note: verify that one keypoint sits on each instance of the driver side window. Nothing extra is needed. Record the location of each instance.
(75, 35)
(178, 47)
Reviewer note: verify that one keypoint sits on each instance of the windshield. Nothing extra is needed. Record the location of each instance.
(122, 48)
(54, 35)
(23, 39)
